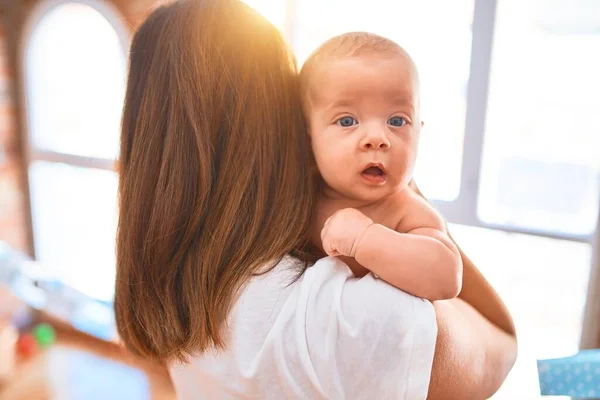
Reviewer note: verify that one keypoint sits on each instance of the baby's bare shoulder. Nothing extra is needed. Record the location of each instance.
(406, 202)
(415, 211)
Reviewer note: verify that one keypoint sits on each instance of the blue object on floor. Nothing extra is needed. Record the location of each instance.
(576, 376)
(94, 378)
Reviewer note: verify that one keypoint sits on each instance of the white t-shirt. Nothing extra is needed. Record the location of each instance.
(327, 335)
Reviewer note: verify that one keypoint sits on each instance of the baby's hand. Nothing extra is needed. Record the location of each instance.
(343, 231)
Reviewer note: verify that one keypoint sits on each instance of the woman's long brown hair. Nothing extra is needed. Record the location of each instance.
(215, 179)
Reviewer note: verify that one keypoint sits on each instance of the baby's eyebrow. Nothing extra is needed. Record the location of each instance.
(402, 101)
(394, 99)
(340, 103)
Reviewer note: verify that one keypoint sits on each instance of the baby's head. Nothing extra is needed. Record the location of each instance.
(361, 100)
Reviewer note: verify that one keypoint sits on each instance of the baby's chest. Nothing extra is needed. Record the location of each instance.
(386, 216)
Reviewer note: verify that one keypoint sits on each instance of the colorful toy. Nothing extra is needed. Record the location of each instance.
(44, 335)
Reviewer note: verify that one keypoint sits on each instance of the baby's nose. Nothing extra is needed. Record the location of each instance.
(376, 141)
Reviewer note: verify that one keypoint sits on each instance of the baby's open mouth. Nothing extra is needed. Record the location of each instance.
(374, 170)
(374, 174)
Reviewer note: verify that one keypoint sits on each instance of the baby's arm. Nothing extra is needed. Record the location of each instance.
(418, 257)
(423, 261)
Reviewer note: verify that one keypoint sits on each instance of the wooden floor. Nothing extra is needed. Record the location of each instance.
(79, 367)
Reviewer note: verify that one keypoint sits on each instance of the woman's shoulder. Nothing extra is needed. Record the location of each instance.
(363, 325)
(330, 289)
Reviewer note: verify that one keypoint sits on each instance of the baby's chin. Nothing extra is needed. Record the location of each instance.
(369, 196)
(360, 195)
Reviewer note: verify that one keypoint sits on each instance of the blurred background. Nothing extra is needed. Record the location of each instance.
(510, 151)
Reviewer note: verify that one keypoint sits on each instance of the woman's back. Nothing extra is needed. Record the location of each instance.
(326, 335)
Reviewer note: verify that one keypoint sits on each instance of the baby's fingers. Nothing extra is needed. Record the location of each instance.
(330, 250)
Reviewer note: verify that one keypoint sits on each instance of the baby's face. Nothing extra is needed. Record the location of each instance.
(364, 124)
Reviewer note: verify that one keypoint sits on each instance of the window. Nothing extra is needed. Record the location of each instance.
(540, 170)
(541, 163)
(75, 67)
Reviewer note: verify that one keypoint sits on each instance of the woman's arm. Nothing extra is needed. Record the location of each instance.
(482, 297)
(472, 355)
(476, 345)
(478, 293)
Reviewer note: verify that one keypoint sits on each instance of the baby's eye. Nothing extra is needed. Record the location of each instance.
(396, 121)
(346, 121)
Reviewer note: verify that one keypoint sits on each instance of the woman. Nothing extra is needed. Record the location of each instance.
(216, 196)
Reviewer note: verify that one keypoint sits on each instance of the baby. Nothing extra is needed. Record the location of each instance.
(361, 100)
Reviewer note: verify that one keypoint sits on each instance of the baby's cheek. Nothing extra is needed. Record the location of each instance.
(320, 151)
(404, 165)
(330, 168)
(325, 148)
(411, 159)
(329, 164)
(332, 156)
(322, 160)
